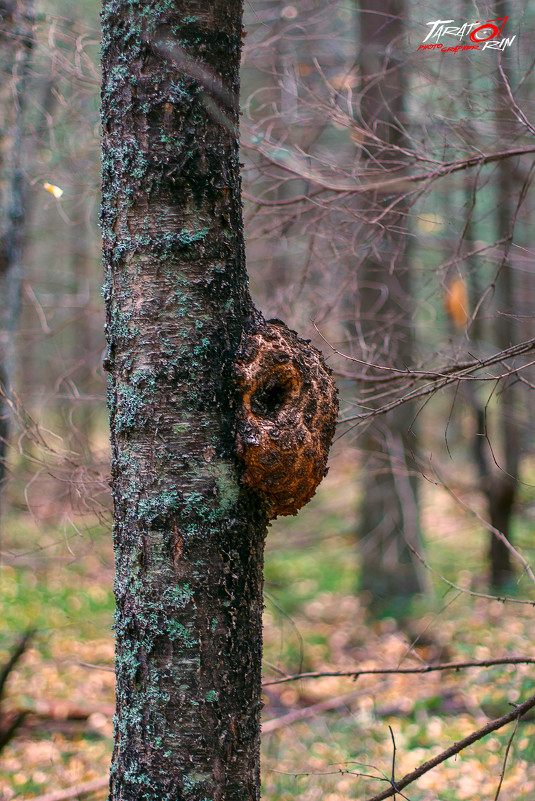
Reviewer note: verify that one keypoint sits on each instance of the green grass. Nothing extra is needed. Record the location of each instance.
(63, 601)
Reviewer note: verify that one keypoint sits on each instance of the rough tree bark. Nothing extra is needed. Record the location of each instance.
(16, 41)
(388, 516)
(187, 369)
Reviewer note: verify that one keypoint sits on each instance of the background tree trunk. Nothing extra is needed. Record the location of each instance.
(188, 536)
(388, 516)
(502, 485)
(16, 41)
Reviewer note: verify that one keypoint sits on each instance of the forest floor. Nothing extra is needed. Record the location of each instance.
(331, 738)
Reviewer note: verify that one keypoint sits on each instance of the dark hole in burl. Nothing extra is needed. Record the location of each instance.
(270, 397)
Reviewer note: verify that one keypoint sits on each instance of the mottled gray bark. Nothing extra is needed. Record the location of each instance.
(188, 536)
(16, 41)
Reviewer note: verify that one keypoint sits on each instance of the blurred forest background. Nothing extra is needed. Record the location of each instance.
(388, 207)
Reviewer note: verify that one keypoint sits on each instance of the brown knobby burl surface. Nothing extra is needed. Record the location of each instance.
(286, 418)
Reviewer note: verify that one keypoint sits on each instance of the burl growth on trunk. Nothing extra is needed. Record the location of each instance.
(287, 413)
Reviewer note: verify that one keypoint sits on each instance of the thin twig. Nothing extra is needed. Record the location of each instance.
(511, 660)
(294, 165)
(465, 590)
(75, 791)
(96, 667)
(274, 667)
(438, 381)
(393, 777)
(493, 530)
(450, 371)
(502, 774)
(411, 777)
(309, 712)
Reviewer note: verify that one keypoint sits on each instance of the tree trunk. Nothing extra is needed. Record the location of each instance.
(16, 41)
(499, 481)
(503, 484)
(389, 517)
(81, 268)
(191, 390)
(188, 537)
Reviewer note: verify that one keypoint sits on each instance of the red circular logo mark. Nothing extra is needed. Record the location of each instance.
(488, 28)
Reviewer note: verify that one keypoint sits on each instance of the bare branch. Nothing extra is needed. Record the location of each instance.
(466, 591)
(498, 534)
(444, 377)
(289, 160)
(76, 791)
(296, 715)
(505, 757)
(355, 674)
(456, 748)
